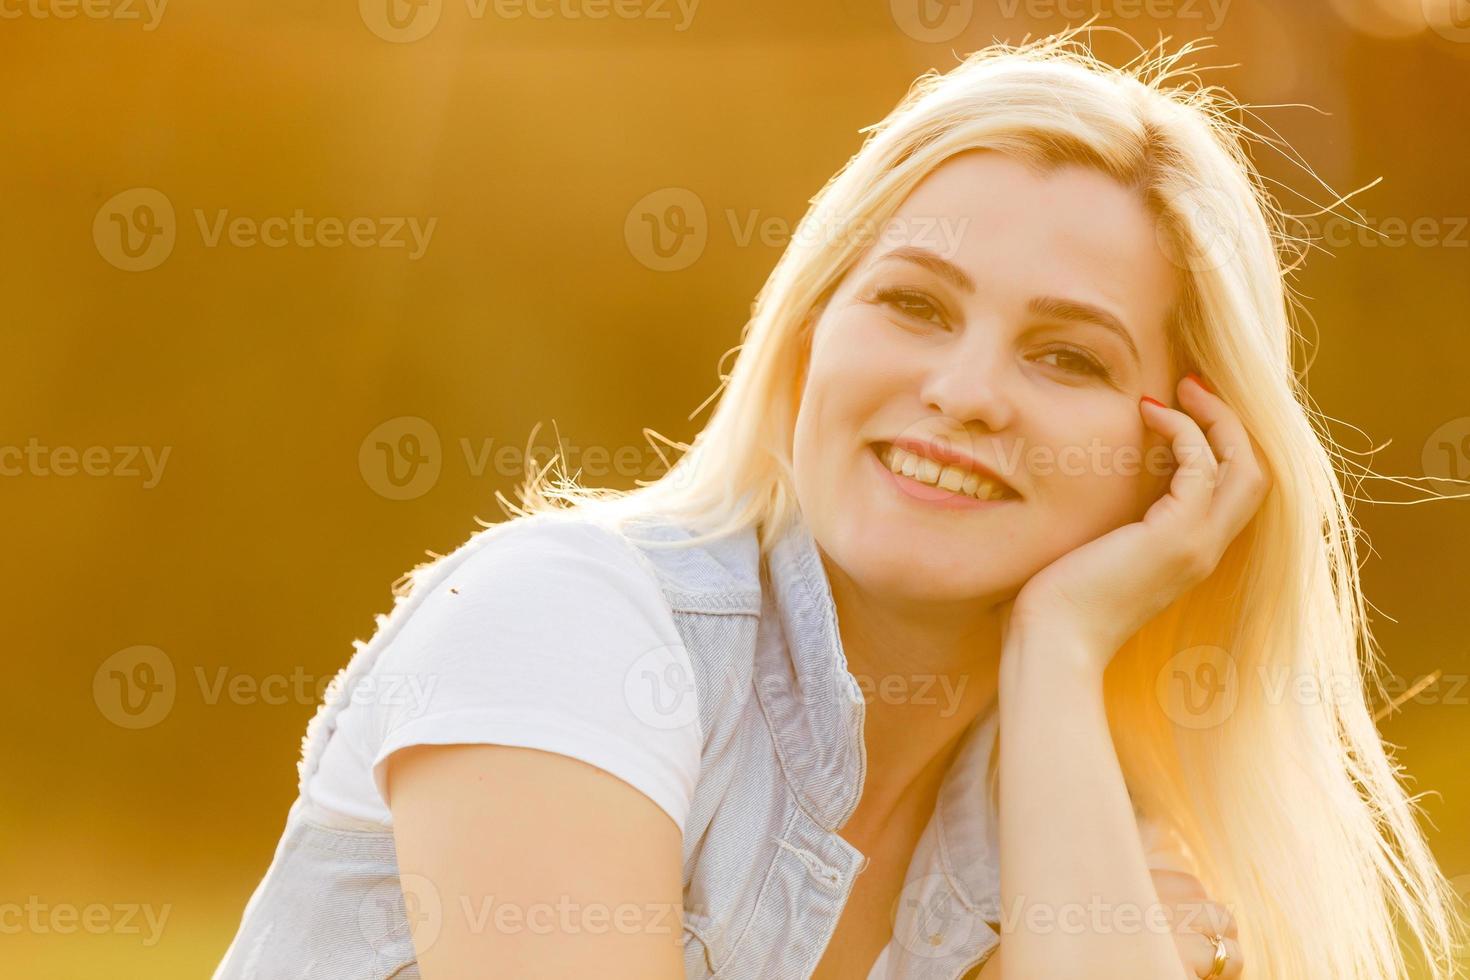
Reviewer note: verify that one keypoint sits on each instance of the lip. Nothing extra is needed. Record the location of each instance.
(931, 496)
(948, 454)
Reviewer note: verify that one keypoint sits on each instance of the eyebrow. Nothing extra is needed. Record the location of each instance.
(1052, 307)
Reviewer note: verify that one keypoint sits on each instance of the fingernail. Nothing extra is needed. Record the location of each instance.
(1200, 381)
(1154, 401)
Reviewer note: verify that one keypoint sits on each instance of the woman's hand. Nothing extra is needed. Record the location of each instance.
(1104, 591)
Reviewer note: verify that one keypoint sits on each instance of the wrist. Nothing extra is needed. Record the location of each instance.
(1051, 655)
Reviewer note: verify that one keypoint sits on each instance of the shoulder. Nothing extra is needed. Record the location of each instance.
(664, 542)
(549, 547)
(695, 574)
(719, 575)
(548, 633)
(552, 573)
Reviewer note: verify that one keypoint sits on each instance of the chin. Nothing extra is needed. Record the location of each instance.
(907, 575)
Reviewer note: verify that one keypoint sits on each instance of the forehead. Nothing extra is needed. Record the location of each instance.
(1071, 232)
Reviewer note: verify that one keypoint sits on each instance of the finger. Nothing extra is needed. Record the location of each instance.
(1192, 485)
(1208, 918)
(1177, 886)
(1198, 954)
(1188, 906)
(1242, 481)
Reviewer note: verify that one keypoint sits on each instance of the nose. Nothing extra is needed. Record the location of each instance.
(966, 381)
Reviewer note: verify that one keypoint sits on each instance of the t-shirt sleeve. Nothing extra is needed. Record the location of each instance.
(554, 637)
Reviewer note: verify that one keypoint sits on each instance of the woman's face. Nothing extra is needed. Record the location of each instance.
(1015, 320)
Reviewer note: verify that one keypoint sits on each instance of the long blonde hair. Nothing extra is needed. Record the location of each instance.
(1292, 809)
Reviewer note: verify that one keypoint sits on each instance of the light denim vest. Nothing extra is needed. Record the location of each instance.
(766, 874)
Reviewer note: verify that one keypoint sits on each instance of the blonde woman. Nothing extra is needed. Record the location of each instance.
(896, 673)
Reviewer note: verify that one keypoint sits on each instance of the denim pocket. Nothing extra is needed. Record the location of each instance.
(701, 952)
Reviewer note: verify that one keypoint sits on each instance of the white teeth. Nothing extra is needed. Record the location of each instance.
(951, 477)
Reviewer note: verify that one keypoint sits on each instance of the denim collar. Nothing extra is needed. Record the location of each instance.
(816, 713)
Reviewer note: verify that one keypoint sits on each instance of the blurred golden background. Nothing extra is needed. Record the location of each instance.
(289, 286)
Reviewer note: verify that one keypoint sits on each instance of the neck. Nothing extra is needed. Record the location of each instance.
(927, 671)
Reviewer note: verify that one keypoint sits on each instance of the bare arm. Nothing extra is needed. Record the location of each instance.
(538, 864)
(1075, 884)
(1074, 879)
(1192, 912)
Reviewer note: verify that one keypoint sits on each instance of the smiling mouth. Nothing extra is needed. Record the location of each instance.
(943, 476)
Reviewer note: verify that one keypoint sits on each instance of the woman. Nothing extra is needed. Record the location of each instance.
(901, 663)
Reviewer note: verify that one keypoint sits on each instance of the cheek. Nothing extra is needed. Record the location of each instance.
(825, 423)
(856, 345)
(850, 372)
(1106, 478)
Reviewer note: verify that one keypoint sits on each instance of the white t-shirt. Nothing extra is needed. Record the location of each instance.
(546, 637)
(554, 636)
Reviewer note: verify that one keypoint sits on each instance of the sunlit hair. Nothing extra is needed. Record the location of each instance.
(1293, 811)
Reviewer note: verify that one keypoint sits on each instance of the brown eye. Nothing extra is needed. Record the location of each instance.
(911, 303)
(1077, 362)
